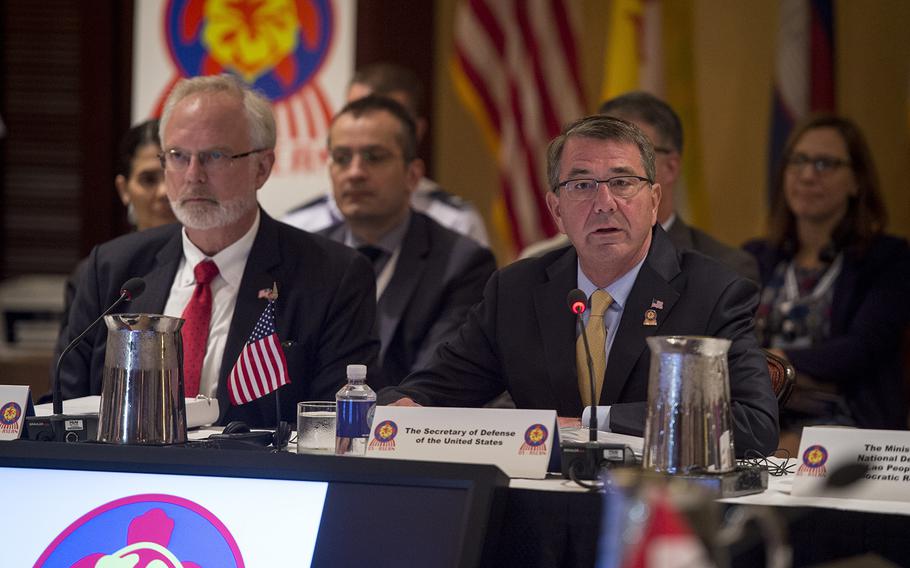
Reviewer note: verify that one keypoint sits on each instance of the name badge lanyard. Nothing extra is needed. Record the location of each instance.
(385, 275)
(791, 288)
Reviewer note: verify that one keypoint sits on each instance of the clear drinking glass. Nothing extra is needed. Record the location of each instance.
(316, 427)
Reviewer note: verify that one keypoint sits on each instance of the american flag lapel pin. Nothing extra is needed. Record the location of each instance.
(270, 294)
(657, 304)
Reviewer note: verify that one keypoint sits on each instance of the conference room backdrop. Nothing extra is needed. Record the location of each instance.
(67, 79)
(733, 47)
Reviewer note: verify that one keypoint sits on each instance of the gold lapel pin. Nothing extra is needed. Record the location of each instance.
(650, 317)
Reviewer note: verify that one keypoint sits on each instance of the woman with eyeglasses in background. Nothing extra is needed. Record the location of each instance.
(836, 289)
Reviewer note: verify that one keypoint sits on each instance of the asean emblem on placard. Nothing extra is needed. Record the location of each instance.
(9, 416)
(535, 440)
(276, 46)
(137, 531)
(813, 463)
(384, 436)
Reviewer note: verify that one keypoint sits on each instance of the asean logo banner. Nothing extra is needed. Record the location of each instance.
(299, 53)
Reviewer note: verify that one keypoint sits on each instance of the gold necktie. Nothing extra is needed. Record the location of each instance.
(597, 340)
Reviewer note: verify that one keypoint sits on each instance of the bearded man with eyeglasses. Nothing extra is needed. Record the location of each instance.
(226, 259)
(522, 336)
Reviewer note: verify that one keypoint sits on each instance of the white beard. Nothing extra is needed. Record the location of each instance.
(205, 216)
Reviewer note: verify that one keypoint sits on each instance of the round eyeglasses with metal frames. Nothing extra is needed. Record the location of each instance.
(820, 164)
(177, 160)
(621, 187)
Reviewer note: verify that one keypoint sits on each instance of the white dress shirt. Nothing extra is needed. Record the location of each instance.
(231, 263)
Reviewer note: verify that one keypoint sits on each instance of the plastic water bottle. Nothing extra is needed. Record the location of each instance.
(354, 402)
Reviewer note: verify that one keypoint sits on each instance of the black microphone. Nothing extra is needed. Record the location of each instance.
(846, 475)
(61, 427)
(130, 290)
(584, 460)
(578, 304)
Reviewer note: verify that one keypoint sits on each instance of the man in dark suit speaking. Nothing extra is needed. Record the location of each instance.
(522, 338)
(427, 276)
(216, 267)
(662, 126)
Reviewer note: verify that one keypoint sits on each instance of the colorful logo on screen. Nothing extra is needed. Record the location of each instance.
(535, 441)
(384, 436)
(9, 416)
(144, 531)
(277, 46)
(814, 459)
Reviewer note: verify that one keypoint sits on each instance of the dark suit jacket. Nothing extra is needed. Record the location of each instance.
(324, 311)
(685, 237)
(439, 275)
(521, 338)
(870, 312)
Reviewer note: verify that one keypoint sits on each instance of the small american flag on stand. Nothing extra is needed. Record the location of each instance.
(261, 367)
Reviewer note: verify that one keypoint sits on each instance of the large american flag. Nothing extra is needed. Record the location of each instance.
(517, 69)
(261, 367)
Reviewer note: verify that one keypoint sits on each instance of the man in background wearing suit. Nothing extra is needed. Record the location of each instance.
(218, 140)
(522, 336)
(427, 276)
(447, 209)
(663, 127)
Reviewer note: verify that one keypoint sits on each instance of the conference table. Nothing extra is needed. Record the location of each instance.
(555, 522)
(548, 522)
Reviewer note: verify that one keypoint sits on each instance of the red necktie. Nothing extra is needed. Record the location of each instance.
(198, 315)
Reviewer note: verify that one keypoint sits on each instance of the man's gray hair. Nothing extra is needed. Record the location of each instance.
(600, 127)
(257, 107)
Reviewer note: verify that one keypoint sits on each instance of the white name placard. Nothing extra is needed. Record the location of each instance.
(885, 453)
(518, 441)
(13, 404)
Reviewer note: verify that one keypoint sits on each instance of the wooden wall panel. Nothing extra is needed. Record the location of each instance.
(65, 97)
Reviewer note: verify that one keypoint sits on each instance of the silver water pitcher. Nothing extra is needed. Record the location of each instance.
(142, 393)
(689, 428)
